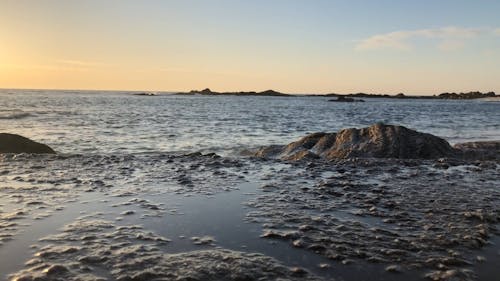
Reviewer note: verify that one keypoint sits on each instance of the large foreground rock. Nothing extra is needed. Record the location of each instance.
(10, 143)
(376, 141)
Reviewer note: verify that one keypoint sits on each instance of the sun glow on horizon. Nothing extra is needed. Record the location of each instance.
(236, 45)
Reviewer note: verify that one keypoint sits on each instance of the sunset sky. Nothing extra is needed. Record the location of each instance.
(293, 46)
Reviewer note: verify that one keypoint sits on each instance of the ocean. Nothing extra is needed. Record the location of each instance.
(119, 122)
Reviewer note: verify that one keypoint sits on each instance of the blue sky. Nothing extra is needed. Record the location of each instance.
(420, 47)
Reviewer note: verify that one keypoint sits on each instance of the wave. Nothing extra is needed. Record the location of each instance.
(15, 116)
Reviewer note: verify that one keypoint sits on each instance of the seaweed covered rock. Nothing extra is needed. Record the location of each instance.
(11, 143)
(376, 141)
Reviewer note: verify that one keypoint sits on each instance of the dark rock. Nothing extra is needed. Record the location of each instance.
(208, 92)
(194, 154)
(346, 99)
(376, 141)
(269, 151)
(466, 96)
(481, 150)
(10, 143)
(271, 93)
(484, 145)
(148, 94)
(447, 96)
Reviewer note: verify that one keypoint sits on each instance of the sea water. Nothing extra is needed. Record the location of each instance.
(119, 122)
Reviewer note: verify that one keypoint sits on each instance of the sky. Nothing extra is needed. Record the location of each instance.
(293, 46)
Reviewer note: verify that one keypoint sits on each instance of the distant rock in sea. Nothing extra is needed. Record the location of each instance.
(466, 96)
(443, 96)
(208, 92)
(11, 143)
(376, 141)
(345, 99)
(148, 94)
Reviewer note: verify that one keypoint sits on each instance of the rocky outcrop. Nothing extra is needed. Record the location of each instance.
(208, 92)
(10, 143)
(481, 150)
(147, 94)
(345, 99)
(376, 141)
(446, 96)
(466, 96)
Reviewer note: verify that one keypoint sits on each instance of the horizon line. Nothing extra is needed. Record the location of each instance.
(293, 94)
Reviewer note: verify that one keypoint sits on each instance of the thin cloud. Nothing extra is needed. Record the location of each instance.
(451, 45)
(392, 40)
(46, 67)
(80, 63)
(449, 38)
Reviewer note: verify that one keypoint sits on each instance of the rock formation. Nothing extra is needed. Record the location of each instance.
(345, 99)
(10, 143)
(481, 150)
(208, 92)
(466, 96)
(445, 96)
(147, 94)
(376, 141)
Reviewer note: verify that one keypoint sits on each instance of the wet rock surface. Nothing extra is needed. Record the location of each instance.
(95, 249)
(11, 143)
(412, 218)
(376, 141)
(34, 187)
(480, 150)
(405, 214)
